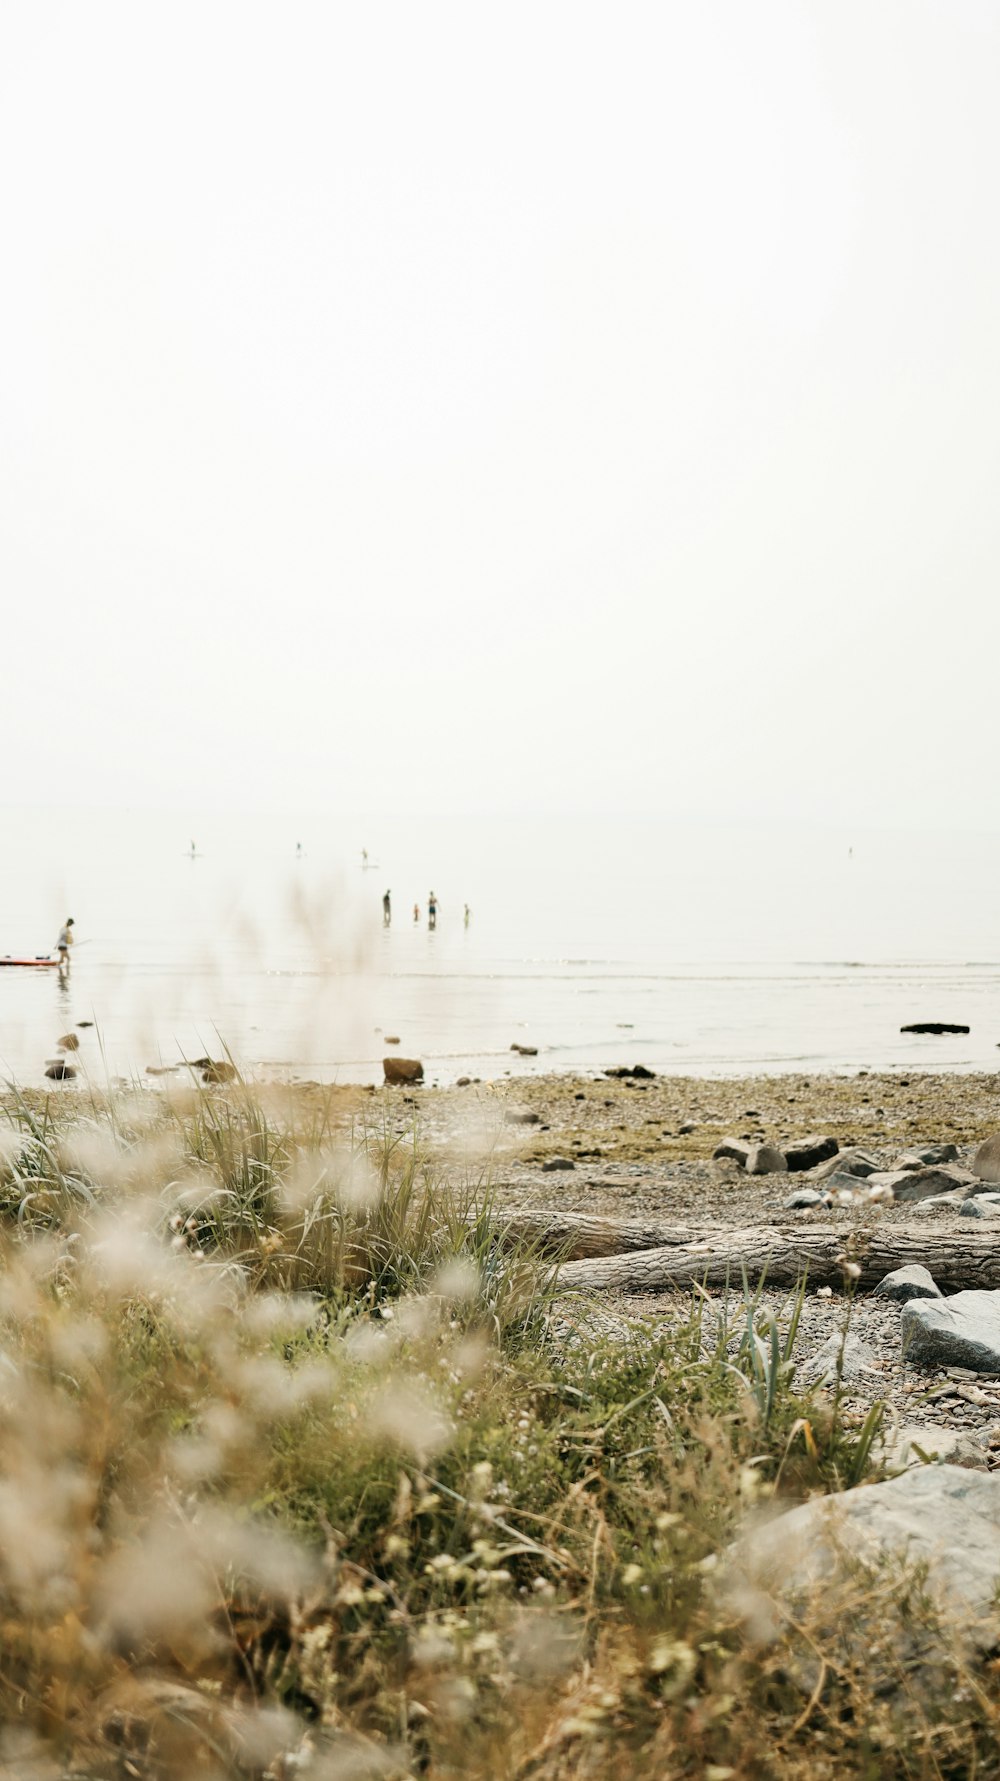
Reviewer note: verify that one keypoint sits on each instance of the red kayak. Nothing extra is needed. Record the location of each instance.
(54, 963)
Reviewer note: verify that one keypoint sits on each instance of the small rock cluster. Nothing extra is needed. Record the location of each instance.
(930, 1176)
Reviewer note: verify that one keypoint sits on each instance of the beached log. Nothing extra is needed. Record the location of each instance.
(782, 1258)
(575, 1235)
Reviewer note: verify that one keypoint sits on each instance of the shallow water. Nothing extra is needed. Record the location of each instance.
(695, 950)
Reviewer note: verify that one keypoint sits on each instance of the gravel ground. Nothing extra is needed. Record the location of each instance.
(644, 1150)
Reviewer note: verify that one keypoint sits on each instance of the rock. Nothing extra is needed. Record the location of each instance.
(922, 1444)
(521, 1116)
(903, 1284)
(68, 1042)
(217, 1072)
(803, 1198)
(59, 1071)
(805, 1153)
(526, 1050)
(84, 1023)
(859, 1357)
(463, 1082)
(686, 1127)
(980, 1206)
(940, 1203)
(857, 1163)
(636, 1070)
(554, 1163)
(845, 1184)
(732, 1150)
(924, 1158)
(766, 1159)
(924, 1184)
(986, 1162)
(943, 1521)
(960, 1331)
(392, 1038)
(933, 1026)
(402, 1069)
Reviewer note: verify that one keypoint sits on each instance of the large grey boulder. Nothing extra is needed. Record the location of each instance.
(960, 1331)
(803, 1199)
(858, 1163)
(924, 1184)
(986, 1162)
(942, 1518)
(766, 1159)
(903, 1284)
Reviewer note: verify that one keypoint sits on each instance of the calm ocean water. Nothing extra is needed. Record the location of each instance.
(693, 950)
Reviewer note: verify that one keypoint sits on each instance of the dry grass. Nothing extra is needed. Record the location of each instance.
(295, 1481)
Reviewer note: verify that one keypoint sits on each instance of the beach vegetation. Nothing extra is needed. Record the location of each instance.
(302, 1473)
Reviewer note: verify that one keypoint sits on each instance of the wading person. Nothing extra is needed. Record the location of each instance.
(432, 911)
(64, 943)
(386, 910)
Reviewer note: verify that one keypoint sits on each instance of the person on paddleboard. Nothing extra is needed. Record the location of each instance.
(64, 943)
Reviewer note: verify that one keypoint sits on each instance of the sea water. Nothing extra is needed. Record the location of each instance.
(693, 948)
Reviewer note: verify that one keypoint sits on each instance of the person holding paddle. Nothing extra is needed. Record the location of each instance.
(64, 943)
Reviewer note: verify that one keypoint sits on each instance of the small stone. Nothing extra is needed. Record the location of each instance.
(554, 1163)
(392, 1038)
(59, 1071)
(927, 1444)
(68, 1042)
(525, 1050)
(398, 1070)
(911, 1282)
(805, 1153)
(927, 1156)
(521, 1116)
(766, 1159)
(980, 1206)
(802, 1199)
(463, 1082)
(858, 1357)
(732, 1150)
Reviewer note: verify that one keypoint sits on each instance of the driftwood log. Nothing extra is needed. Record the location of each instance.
(575, 1235)
(783, 1257)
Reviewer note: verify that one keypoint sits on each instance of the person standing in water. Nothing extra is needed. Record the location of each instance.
(466, 916)
(416, 911)
(386, 910)
(432, 911)
(64, 943)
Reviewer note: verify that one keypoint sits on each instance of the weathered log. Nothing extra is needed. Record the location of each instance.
(575, 1235)
(783, 1258)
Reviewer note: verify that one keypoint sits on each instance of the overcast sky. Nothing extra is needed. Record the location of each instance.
(523, 406)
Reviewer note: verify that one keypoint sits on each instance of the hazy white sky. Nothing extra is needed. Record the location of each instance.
(533, 406)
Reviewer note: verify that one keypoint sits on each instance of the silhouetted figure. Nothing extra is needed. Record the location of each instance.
(64, 943)
(416, 911)
(467, 915)
(386, 910)
(432, 911)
